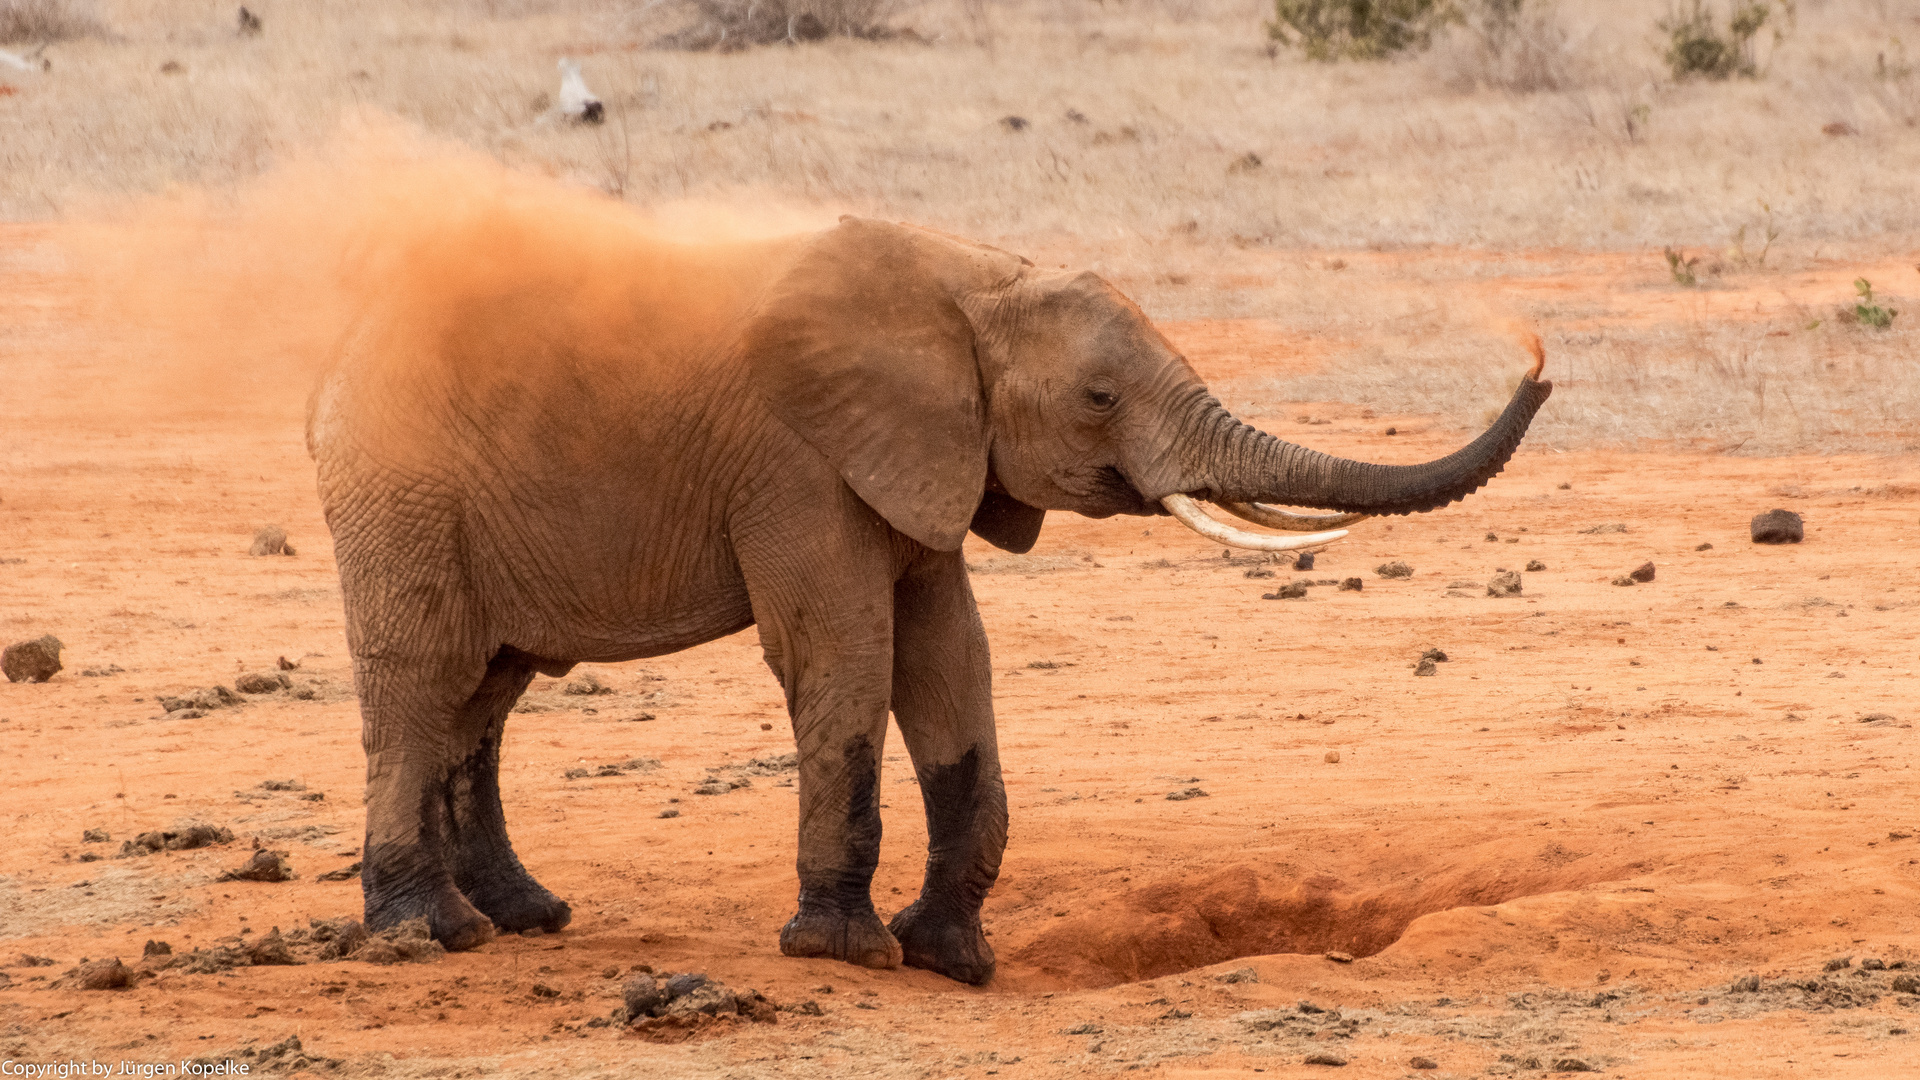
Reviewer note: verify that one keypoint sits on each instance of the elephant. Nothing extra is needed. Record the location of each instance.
(798, 439)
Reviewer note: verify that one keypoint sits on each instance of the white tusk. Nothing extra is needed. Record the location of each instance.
(1190, 515)
(1274, 518)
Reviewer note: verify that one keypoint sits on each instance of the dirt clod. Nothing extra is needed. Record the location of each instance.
(1703, 547)
(1608, 527)
(586, 684)
(1322, 1057)
(1642, 573)
(1434, 655)
(1425, 667)
(1340, 957)
(1293, 590)
(1418, 1062)
(1332, 757)
(1777, 527)
(1352, 584)
(1186, 793)
(262, 682)
(1572, 1065)
(285, 664)
(204, 698)
(345, 873)
(1534, 566)
(184, 836)
(95, 836)
(1395, 569)
(1906, 984)
(270, 540)
(100, 975)
(1504, 583)
(263, 866)
(1238, 975)
(673, 1008)
(1303, 561)
(1749, 984)
(32, 661)
(1623, 580)
(156, 948)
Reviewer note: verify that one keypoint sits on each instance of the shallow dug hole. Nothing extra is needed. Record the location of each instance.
(1184, 922)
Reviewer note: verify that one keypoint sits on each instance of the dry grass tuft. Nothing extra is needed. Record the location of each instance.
(733, 25)
(39, 21)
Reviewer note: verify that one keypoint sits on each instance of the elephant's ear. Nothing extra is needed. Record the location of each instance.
(1007, 523)
(862, 348)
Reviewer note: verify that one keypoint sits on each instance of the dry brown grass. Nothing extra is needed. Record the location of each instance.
(35, 21)
(1161, 141)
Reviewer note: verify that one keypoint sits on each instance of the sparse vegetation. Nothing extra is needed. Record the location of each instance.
(730, 25)
(1700, 45)
(1681, 268)
(1868, 311)
(1519, 45)
(41, 21)
(1330, 30)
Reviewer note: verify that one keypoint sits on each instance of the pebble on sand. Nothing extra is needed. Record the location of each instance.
(1333, 757)
(1642, 573)
(1395, 569)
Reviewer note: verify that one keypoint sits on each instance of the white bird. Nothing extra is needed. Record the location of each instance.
(577, 103)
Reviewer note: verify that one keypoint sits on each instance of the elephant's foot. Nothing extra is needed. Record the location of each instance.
(952, 946)
(515, 902)
(451, 919)
(857, 939)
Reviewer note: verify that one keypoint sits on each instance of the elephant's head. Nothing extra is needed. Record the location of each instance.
(955, 385)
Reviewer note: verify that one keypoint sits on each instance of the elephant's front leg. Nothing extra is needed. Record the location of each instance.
(830, 644)
(943, 701)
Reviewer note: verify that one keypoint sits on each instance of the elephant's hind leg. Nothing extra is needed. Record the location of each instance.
(478, 852)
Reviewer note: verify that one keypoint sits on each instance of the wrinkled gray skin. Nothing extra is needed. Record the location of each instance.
(805, 453)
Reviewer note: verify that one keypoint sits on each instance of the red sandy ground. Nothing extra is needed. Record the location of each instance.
(1608, 805)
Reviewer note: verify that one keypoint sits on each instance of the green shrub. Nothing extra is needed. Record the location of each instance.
(1699, 44)
(1358, 29)
(1868, 312)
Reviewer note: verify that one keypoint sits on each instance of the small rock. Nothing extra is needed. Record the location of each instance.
(1623, 580)
(95, 836)
(1303, 561)
(714, 786)
(270, 540)
(1493, 538)
(1290, 591)
(1186, 793)
(1873, 963)
(1703, 547)
(262, 682)
(1322, 1057)
(1906, 984)
(345, 873)
(669, 812)
(1258, 572)
(1352, 584)
(1332, 757)
(281, 785)
(1504, 583)
(32, 661)
(285, 664)
(1395, 569)
(1777, 527)
(1572, 1065)
(1838, 963)
(156, 948)
(1434, 655)
(1642, 573)
(1426, 667)
(1534, 566)
(1748, 985)
(1340, 957)
(1417, 1062)
(102, 975)
(263, 866)
(1609, 527)
(1239, 975)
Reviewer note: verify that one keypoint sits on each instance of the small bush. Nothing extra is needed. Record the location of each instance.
(729, 25)
(1699, 44)
(1330, 30)
(1681, 268)
(47, 20)
(1868, 312)
(1517, 45)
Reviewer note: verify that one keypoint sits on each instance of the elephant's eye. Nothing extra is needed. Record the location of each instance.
(1102, 399)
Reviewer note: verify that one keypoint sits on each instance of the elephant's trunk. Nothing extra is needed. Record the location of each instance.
(1240, 464)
